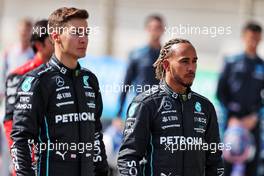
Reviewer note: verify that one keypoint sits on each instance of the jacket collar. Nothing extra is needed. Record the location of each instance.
(166, 88)
(55, 63)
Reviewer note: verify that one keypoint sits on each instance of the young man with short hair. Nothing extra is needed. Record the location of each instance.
(59, 105)
(140, 71)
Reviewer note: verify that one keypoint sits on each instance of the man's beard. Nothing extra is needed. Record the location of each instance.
(180, 81)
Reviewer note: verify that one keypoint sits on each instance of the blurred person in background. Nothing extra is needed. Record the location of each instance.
(43, 49)
(17, 54)
(239, 91)
(140, 71)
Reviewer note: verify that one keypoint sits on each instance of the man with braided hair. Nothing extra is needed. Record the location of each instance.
(172, 127)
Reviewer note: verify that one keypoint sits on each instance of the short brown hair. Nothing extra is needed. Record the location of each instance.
(252, 26)
(153, 17)
(59, 17)
(165, 52)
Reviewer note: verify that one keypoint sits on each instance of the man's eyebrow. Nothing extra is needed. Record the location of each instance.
(184, 58)
(187, 58)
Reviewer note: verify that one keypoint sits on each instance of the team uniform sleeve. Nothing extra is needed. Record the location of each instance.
(214, 162)
(28, 113)
(100, 160)
(136, 139)
(12, 83)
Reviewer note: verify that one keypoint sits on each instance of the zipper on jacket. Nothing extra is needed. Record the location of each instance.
(182, 109)
(73, 76)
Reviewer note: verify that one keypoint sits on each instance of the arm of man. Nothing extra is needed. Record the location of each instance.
(214, 162)
(136, 138)
(12, 83)
(28, 115)
(100, 160)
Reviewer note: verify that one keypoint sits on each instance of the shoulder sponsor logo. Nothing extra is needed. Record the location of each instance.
(11, 100)
(13, 81)
(86, 83)
(25, 93)
(59, 81)
(198, 107)
(129, 126)
(26, 85)
(90, 94)
(199, 124)
(24, 99)
(23, 106)
(91, 105)
(85, 80)
(11, 91)
(200, 119)
(132, 109)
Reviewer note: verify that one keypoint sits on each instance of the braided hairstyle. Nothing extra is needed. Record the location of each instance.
(165, 52)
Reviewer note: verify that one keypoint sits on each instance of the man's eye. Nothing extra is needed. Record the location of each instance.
(184, 61)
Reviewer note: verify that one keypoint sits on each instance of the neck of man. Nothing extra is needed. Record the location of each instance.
(155, 44)
(42, 57)
(251, 52)
(175, 86)
(66, 59)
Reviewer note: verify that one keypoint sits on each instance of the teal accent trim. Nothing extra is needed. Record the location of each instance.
(144, 168)
(48, 152)
(40, 156)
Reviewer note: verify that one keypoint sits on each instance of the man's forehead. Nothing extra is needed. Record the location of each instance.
(183, 49)
(77, 22)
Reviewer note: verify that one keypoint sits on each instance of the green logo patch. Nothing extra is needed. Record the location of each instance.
(26, 85)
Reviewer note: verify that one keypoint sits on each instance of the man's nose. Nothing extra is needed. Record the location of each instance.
(192, 67)
(83, 39)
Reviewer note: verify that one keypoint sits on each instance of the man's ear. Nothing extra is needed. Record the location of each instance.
(38, 45)
(55, 37)
(166, 64)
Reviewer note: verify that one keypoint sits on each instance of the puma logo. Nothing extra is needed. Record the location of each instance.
(62, 155)
(162, 174)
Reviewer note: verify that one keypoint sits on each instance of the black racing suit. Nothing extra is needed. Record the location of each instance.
(58, 109)
(164, 127)
(240, 91)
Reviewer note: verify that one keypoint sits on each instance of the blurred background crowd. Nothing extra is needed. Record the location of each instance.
(125, 38)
